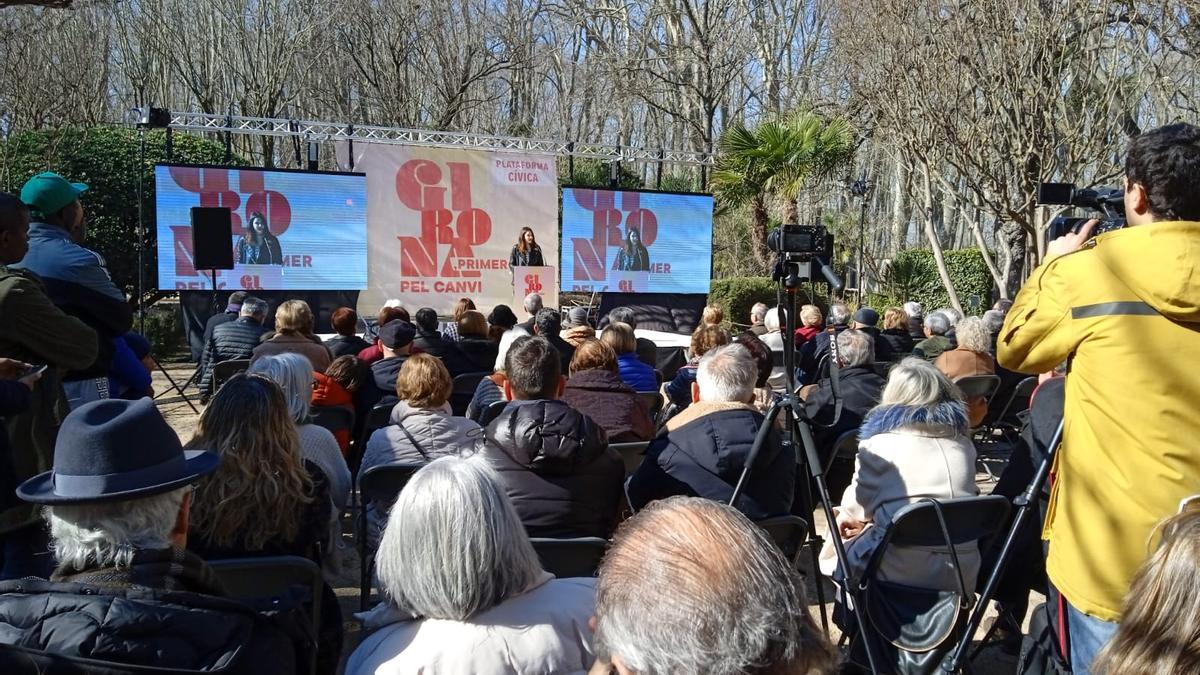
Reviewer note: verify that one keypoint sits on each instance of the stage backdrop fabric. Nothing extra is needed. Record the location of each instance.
(442, 222)
(625, 241)
(317, 222)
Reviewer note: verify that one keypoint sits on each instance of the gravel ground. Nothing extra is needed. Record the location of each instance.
(181, 417)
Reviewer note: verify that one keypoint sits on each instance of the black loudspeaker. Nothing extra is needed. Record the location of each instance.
(212, 238)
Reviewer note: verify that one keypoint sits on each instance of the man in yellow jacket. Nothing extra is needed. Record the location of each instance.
(1124, 310)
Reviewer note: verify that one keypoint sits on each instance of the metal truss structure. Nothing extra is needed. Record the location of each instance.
(331, 131)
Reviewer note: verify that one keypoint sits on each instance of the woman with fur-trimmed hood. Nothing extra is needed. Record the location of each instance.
(915, 444)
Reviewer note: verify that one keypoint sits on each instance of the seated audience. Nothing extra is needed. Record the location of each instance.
(421, 427)
(388, 314)
(953, 316)
(335, 388)
(634, 372)
(1002, 305)
(679, 390)
(764, 362)
(347, 342)
(553, 460)
(504, 317)
(576, 327)
(811, 324)
(773, 338)
(647, 351)
(971, 357)
(264, 499)
(449, 329)
(935, 342)
(895, 333)
(1157, 633)
(233, 340)
(866, 320)
(395, 340)
(705, 446)
(548, 325)
(294, 335)
(430, 341)
(474, 343)
(860, 390)
(993, 321)
(712, 316)
(317, 444)
(489, 390)
(914, 444)
(758, 315)
(691, 587)
(233, 309)
(500, 321)
(469, 599)
(916, 327)
(812, 356)
(595, 386)
(532, 305)
(126, 591)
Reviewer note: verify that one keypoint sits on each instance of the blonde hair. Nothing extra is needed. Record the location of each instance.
(620, 337)
(810, 315)
(895, 318)
(916, 382)
(1158, 622)
(707, 337)
(712, 315)
(294, 316)
(592, 354)
(424, 381)
(259, 491)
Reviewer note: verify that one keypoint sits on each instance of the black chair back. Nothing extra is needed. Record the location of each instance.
(378, 417)
(335, 418)
(789, 534)
(274, 577)
(222, 371)
(564, 558)
(967, 519)
(1017, 402)
(463, 391)
(632, 454)
(381, 484)
(654, 403)
(978, 385)
(845, 447)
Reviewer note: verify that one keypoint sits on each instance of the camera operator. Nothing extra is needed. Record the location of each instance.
(1124, 309)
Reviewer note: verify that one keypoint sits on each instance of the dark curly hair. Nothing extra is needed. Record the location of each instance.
(1166, 162)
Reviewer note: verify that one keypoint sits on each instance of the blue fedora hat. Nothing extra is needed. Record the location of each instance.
(112, 450)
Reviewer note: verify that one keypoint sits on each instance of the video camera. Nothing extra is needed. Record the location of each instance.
(801, 242)
(1109, 203)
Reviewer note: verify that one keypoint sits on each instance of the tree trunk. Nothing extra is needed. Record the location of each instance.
(934, 242)
(758, 232)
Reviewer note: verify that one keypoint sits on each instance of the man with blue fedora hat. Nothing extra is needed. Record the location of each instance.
(117, 504)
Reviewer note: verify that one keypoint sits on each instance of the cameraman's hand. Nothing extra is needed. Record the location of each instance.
(11, 369)
(1071, 241)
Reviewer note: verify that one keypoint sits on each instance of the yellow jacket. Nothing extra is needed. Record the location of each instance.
(1126, 312)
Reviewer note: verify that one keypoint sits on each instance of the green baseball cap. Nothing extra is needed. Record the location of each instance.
(49, 192)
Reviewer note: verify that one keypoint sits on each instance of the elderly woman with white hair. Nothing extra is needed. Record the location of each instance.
(915, 444)
(973, 356)
(469, 599)
(294, 375)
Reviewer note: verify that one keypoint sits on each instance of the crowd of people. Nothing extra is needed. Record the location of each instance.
(108, 553)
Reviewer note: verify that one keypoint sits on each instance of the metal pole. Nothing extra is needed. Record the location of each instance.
(141, 230)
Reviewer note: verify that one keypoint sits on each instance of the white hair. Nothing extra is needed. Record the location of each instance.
(294, 375)
(937, 323)
(855, 348)
(914, 310)
(392, 302)
(727, 373)
(952, 315)
(993, 321)
(454, 545)
(106, 534)
(973, 335)
(758, 312)
(532, 303)
(918, 383)
(839, 314)
(771, 321)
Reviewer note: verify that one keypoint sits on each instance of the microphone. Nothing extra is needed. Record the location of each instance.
(835, 283)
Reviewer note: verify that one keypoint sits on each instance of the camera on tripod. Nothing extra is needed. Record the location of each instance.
(801, 242)
(1107, 202)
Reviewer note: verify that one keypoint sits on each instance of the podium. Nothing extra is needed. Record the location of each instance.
(534, 279)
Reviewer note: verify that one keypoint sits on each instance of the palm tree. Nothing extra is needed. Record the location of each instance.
(778, 157)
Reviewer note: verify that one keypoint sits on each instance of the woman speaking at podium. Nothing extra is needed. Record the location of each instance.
(526, 252)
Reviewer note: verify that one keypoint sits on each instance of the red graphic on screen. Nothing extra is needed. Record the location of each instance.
(591, 255)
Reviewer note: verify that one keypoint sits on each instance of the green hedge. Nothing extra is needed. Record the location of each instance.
(736, 296)
(913, 276)
(106, 158)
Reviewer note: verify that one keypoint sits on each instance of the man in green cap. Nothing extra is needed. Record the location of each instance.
(75, 276)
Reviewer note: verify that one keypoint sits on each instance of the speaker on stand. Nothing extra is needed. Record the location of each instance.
(212, 242)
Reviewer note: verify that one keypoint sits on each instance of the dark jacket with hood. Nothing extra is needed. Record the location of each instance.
(432, 342)
(345, 345)
(480, 351)
(610, 403)
(861, 387)
(900, 342)
(702, 455)
(231, 340)
(883, 348)
(555, 464)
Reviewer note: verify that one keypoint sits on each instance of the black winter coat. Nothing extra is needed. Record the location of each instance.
(143, 626)
(231, 340)
(345, 345)
(434, 344)
(481, 352)
(900, 342)
(883, 348)
(555, 464)
(860, 387)
(611, 404)
(704, 457)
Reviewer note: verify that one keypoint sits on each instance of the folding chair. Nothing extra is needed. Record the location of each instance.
(789, 533)
(631, 453)
(654, 403)
(380, 484)
(972, 386)
(222, 371)
(845, 447)
(576, 557)
(274, 577)
(380, 416)
(335, 418)
(1019, 398)
(463, 391)
(915, 628)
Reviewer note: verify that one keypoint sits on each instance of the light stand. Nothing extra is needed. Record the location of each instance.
(861, 188)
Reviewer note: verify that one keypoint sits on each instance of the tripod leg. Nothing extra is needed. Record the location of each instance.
(813, 545)
(174, 385)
